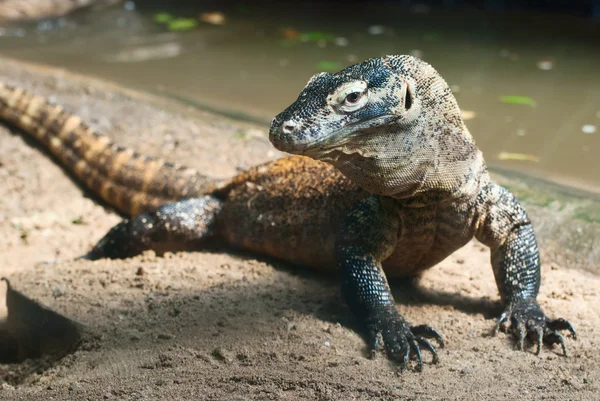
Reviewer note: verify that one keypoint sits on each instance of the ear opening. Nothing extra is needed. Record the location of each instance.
(408, 97)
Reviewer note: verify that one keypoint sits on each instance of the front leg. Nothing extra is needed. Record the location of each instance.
(368, 236)
(516, 262)
(171, 227)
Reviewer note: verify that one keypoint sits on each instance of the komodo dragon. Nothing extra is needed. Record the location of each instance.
(386, 180)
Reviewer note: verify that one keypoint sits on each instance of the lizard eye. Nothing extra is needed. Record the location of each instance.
(353, 98)
(350, 96)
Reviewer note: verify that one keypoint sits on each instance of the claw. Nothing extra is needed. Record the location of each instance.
(404, 363)
(562, 324)
(501, 320)
(540, 339)
(426, 344)
(374, 344)
(561, 340)
(522, 333)
(417, 350)
(528, 320)
(428, 332)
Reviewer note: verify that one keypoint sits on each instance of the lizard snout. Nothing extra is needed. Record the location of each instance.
(282, 134)
(289, 127)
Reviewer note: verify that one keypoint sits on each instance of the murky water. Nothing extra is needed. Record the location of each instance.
(260, 58)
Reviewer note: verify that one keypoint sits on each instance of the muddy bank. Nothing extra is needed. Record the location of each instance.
(223, 325)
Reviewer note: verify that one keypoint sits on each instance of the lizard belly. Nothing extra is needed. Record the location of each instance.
(429, 235)
(290, 209)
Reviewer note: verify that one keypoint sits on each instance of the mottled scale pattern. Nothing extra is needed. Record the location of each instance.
(401, 137)
(126, 180)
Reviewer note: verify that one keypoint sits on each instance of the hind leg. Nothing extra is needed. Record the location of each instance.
(172, 227)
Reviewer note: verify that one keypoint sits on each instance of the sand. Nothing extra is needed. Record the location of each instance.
(222, 324)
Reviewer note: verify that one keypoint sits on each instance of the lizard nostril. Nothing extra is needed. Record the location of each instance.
(289, 127)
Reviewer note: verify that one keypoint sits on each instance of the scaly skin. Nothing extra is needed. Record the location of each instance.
(403, 186)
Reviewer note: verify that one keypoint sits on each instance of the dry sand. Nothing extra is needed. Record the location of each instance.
(227, 325)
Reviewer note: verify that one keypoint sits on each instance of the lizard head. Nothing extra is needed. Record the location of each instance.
(390, 124)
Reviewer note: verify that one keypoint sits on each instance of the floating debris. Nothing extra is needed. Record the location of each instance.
(163, 18)
(518, 156)
(521, 132)
(182, 24)
(545, 64)
(343, 42)
(455, 88)
(589, 129)
(290, 33)
(467, 114)
(214, 18)
(525, 100)
(329, 66)
(376, 30)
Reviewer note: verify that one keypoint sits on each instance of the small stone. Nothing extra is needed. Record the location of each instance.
(589, 129)
(140, 271)
(466, 371)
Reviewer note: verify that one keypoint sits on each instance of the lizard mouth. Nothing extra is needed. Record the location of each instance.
(339, 137)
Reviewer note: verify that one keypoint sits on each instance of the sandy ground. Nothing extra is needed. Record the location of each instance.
(226, 325)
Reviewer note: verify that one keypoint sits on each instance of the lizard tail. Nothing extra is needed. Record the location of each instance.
(127, 181)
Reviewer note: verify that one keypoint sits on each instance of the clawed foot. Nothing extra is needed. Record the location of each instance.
(401, 340)
(527, 320)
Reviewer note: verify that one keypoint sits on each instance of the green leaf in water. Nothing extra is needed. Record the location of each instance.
(526, 100)
(329, 66)
(182, 24)
(163, 18)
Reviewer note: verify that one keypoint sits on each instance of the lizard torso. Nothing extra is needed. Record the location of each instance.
(316, 197)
